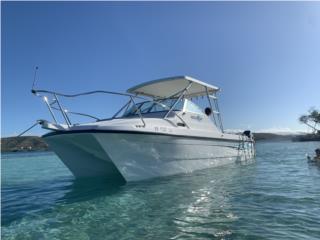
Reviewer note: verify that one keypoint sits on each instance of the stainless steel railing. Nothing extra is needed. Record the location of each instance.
(55, 104)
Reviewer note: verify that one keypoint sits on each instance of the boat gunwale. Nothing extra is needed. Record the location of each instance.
(56, 133)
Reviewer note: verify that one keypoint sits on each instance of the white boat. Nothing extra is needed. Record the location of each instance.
(160, 131)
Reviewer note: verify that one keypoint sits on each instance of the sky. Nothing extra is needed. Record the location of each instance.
(265, 56)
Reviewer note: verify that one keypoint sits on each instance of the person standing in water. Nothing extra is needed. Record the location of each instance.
(317, 157)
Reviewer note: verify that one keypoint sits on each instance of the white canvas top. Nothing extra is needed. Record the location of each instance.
(166, 87)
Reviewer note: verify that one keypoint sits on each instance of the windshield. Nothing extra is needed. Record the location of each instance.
(152, 106)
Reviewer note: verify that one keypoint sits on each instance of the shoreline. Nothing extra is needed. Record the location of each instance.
(37, 144)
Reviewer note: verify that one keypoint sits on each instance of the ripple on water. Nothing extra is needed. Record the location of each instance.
(273, 197)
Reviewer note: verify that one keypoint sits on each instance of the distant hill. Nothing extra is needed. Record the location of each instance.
(307, 137)
(298, 137)
(273, 136)
(27, 143)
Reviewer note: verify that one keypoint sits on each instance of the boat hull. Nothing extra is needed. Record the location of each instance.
(139, 156)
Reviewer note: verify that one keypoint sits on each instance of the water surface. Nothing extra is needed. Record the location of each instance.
(276, 196)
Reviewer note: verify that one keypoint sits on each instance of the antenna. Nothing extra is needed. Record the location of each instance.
(34, 79)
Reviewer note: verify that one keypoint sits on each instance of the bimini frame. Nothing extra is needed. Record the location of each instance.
(180, 87)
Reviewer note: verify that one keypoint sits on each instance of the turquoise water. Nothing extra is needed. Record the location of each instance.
(276, 196)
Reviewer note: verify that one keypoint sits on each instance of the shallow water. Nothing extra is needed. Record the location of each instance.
(276, 196)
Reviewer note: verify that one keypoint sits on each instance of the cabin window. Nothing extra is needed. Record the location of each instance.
(192, 107)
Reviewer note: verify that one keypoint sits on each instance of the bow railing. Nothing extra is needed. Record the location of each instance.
(54, 104)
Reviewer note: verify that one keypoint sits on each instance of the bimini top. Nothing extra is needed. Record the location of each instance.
(173, 86)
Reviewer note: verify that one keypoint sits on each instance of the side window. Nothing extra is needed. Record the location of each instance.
(168, 103)
(193, 108)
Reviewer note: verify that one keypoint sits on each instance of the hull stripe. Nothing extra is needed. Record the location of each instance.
(136, 132)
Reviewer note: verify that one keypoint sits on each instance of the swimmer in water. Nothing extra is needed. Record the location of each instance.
(317, 157)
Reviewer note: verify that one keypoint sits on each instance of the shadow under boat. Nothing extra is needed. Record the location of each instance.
(84, 189)
(22, 200)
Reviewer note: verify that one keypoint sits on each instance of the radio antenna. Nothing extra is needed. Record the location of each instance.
(34, 79)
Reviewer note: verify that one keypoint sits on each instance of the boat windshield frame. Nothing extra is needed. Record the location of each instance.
(133, 110)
